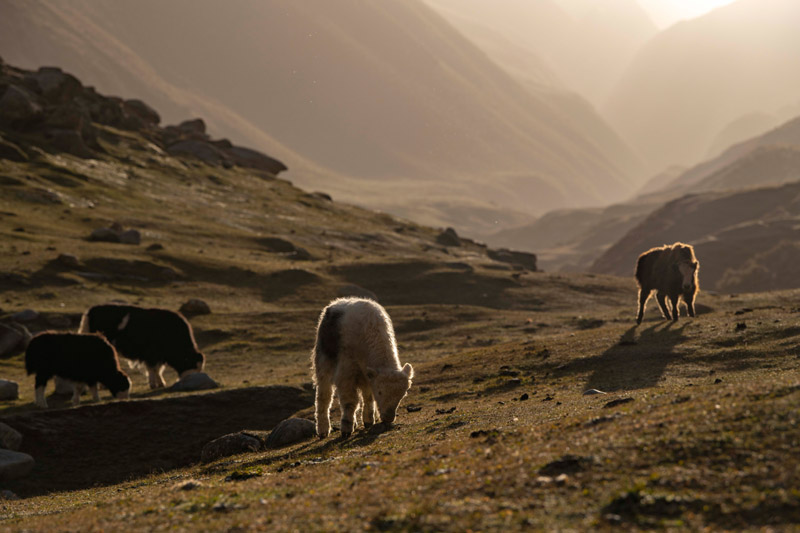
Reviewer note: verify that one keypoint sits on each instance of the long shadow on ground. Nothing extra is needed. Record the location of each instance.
(109, 443)
(633, 364)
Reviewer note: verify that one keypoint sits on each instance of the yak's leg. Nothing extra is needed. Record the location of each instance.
(155, 377)
(674, 301)
(323, 406)
(41, 383)
(662, 303)
(95, 394)
(77, 389)
(689, 304)
(643, 296)
(348, 402)
(369, 408)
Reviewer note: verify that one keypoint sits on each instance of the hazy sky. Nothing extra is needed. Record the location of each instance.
(666, 12)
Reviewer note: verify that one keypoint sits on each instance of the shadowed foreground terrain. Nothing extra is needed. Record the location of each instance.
(697, 426)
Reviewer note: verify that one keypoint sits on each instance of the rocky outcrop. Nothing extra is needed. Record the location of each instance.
(525, 260)
(9, 390)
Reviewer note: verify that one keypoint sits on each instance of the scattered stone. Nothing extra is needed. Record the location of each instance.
(445, 411)
(681, 399)
(190, 484)
(194, 381)
(561, 479)
(449, 237)
(155, 247)
(618, 401)
(717, 381)
(547, 398)
(195, 307)
(130, 236)
(568, 464)
(10, 438)
(592, 392)
(68, 260)
(14, 465)
(10, 340)
(238, 475)
(232, 444)
(743, 311)
(413, 408)
(525, 260)
(740, 326)
(104, 235)
(355, 291)
(291, 431)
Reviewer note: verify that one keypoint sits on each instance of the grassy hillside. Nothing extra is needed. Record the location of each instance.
(696, 425)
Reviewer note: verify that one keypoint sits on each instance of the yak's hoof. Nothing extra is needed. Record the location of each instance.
(346, 434)
(368, 425)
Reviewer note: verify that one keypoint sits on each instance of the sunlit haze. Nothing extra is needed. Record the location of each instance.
(666, 12)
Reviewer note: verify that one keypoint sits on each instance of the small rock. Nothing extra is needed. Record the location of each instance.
(194, 381)
(592, 392)
(195, 307)
(104, 235)
(191, 484)
(740, 326)
(290, 431)
(28, 315)
(9, 390)
(445, 411)
(232, 444)
(355, 291)
(524, 397)
(618, 401)
(717, 381)
(155, 247)
(68, 260)
(449, 237)
(10, 438)
(562, 479)
(14, 465)
(130, 236)
(10, 340)
(413, 408)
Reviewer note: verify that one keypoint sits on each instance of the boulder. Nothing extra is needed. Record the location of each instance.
(355, 291)
(195, 307)
(232, 444)
(68, 260)
(10, 438)
(194, 381)
(524, 259)
(130, 236)
(449, 237)
(14, 465)
(142, 111)
(104, 235)
(245, 157)
(201, 150)
(291, 431)
(9, 390)
(69, 141)
(55, 85)
(28, 315)
(19, 105)
(193, 127)
(11, 340)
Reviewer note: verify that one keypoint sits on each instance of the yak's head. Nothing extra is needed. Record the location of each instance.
(191, 362)
(688, 272)
(389, 386)
(120, 385)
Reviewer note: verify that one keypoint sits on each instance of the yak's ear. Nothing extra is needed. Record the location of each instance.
(408, 370)
(371, 373)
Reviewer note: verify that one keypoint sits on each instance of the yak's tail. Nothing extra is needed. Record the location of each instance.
(639, 273)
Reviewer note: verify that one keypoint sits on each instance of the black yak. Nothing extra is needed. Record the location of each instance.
(81, 359)
(672, 272)
(153, 336)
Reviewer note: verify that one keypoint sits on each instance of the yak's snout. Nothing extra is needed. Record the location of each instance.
(123, 395)
(388, 417)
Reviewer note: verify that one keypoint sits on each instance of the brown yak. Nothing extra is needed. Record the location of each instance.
(672, 272)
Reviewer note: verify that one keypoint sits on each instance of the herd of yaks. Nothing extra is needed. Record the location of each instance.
(355, 353)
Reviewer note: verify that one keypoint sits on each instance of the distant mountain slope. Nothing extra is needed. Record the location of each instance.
(733, 233)
(386, 92)
(694, 78)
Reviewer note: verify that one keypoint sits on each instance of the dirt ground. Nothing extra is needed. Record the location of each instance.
(96, 445)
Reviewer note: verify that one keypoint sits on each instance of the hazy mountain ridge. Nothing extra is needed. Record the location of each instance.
(694, 78)
(379, 93)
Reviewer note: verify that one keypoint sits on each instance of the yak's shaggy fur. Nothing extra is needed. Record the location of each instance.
(671, 271)
(155, 337)
(356, 355)
(81, 359)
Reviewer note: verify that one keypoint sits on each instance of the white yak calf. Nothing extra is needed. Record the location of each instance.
(356, 354)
